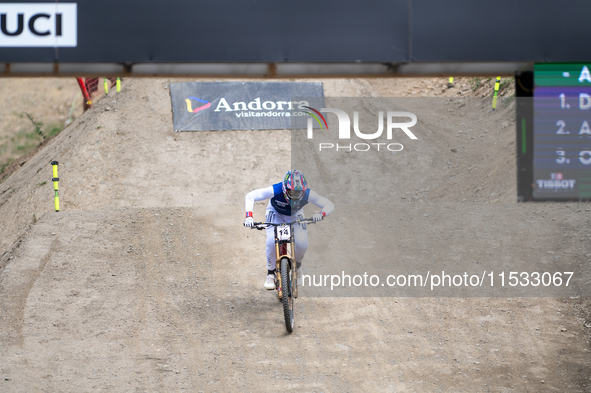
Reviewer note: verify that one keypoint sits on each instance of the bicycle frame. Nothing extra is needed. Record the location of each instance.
(281, 252)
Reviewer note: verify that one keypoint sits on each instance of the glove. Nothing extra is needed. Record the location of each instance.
(249, 222)
(317, 217)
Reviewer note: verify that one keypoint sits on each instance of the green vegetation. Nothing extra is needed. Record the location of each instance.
(56, 129)
(475, 82)
(5, 164)
(25, 140)
(37, 125)
(506, 83)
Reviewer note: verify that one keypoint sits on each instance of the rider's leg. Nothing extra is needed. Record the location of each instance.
(270, 279)
(271, 216)
(301, 245)
(270, 248)
(301, 241)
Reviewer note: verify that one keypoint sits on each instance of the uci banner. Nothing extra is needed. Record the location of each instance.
(208, 106)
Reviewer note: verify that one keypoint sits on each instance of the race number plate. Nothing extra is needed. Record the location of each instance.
(284, 232)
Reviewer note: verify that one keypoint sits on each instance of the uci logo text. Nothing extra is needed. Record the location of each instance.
(38, 25)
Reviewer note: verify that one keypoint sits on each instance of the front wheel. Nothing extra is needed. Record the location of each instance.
(287, 289)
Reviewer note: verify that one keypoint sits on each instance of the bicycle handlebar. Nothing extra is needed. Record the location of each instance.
(263, 225)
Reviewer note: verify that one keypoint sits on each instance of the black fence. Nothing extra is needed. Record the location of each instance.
(388, 35)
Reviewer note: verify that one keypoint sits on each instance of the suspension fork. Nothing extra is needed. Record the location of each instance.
(294, 273)
(278, 266)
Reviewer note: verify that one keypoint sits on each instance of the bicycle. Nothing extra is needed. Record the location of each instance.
(286, 279)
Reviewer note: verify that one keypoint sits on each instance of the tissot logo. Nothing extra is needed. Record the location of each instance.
(556, 182)
(38, 25)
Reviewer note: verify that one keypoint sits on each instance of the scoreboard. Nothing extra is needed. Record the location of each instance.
(561, 166)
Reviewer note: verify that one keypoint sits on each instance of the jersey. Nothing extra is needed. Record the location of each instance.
(282, 206)
(278, 202)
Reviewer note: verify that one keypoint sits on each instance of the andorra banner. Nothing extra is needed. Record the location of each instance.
(208, 106)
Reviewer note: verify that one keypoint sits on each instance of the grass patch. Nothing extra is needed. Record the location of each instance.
(36, 124)
(30, 135)
(475, 82)
(5, 164)
(54, 131)
(42, 183)
(506, 83)
(25, 140)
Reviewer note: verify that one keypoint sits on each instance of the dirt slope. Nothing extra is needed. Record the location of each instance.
(145, 280)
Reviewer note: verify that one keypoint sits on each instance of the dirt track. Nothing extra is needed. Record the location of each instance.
(133, 286)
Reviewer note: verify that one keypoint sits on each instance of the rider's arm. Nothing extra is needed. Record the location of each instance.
(257, 195)
(324, 204)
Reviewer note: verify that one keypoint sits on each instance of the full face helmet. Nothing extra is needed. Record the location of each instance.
(294, 185)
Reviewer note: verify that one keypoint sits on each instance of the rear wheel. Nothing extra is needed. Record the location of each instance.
(287, 292)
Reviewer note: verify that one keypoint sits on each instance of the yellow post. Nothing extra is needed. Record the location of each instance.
(118, 84)
(106, 86)
(450, 84)
(55, 185)
(497, 84)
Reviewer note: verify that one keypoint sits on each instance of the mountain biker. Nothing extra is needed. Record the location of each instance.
(287, 199)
